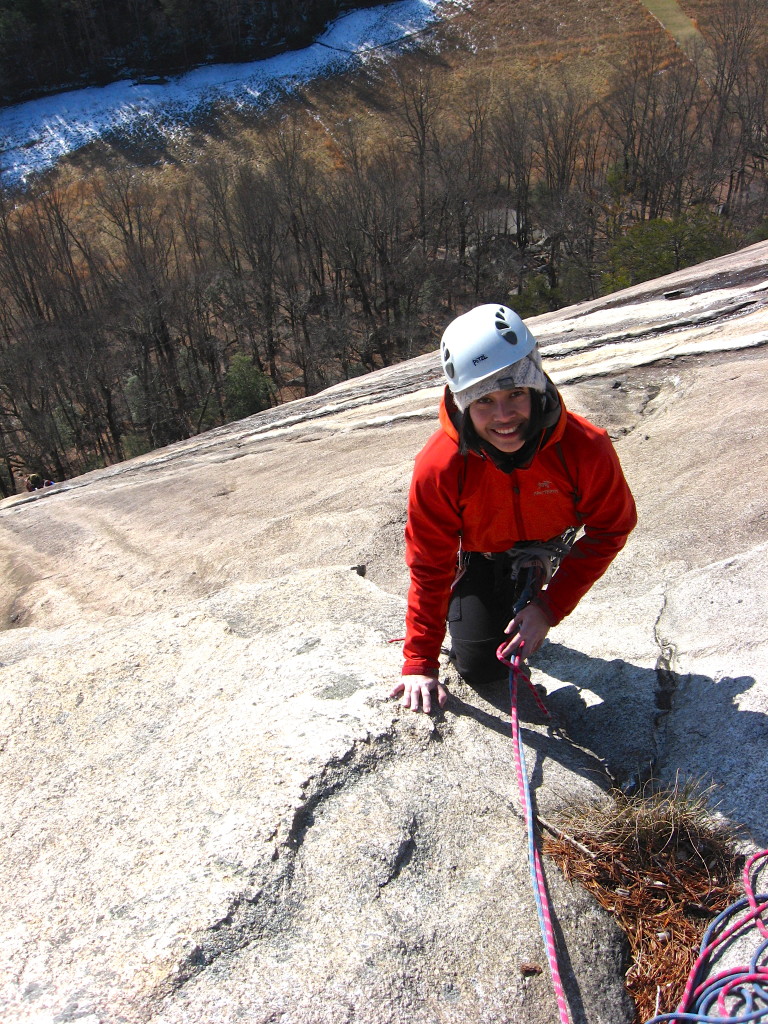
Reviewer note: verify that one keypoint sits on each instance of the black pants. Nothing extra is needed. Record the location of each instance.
(481, 606)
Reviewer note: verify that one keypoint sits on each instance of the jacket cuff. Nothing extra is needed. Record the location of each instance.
(421, 668)
(549, 614)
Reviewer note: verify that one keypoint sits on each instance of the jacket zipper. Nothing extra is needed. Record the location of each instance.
(516, 503)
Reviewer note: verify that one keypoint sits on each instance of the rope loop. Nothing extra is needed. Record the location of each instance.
(737, 994)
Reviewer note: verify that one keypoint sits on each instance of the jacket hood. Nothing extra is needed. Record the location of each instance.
(551, 425)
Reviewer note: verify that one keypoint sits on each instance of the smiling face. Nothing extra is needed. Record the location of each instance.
(502, 417)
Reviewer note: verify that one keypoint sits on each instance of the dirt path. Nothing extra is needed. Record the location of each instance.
(684, 31)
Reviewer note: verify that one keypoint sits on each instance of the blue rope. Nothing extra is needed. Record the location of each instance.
(746, 986)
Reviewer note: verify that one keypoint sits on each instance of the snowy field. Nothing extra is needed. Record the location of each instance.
(34, 135)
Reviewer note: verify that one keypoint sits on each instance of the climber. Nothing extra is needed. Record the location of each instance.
(35, 482)
(507, 481)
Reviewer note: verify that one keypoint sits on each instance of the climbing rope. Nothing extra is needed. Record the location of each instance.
(733, 996)
(737, 994)
(518, 672)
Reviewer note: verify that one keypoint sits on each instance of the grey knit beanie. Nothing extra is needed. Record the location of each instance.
(525, 373)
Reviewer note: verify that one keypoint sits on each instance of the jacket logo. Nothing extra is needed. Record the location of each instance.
(480, 359)
(545, 487)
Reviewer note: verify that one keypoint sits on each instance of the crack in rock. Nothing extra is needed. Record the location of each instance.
(668, 680)
(249, 914)
(666, 677)
(403, 854)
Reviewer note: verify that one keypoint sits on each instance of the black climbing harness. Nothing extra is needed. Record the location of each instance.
(528, 565)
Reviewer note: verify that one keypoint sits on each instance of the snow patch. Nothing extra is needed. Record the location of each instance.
(38, 133)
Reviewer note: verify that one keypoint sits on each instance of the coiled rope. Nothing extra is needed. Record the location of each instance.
(737, 994)
(518, 672)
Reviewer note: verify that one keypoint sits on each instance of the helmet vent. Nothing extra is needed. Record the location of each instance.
(448, 366)
(504, 328)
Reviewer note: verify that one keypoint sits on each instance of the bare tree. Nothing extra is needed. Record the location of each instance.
(737, 123)
(560, 124)
(417, 108)
(516, 150)
(140, 259)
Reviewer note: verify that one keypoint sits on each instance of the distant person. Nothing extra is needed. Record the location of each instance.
(505, 482)
(35, 482)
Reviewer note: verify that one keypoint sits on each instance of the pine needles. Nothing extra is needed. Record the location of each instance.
(664, 866)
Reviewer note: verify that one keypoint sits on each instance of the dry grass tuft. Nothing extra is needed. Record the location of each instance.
(664, 866)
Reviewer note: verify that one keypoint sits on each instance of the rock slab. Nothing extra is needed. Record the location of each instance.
(210, 809)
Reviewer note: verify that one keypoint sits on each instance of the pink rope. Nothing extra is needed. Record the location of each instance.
(707, 951)
(733, 982)
(749, 889)
(517, 672)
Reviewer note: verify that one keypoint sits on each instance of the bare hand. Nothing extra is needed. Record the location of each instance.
(417, 692)
(529, 628)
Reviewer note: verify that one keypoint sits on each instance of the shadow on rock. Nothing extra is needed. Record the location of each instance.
(545, 738)
(644, 723)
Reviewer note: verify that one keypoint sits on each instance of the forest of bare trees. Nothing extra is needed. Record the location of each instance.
(141, 307)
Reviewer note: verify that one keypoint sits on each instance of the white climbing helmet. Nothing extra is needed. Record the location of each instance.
(479, 344)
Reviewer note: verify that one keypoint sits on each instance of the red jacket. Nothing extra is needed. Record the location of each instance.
(574, 479)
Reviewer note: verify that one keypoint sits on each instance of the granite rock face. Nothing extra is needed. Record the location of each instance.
(211, 812)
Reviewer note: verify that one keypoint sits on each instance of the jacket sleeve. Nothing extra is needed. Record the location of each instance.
(432, 537)
(607, 512)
